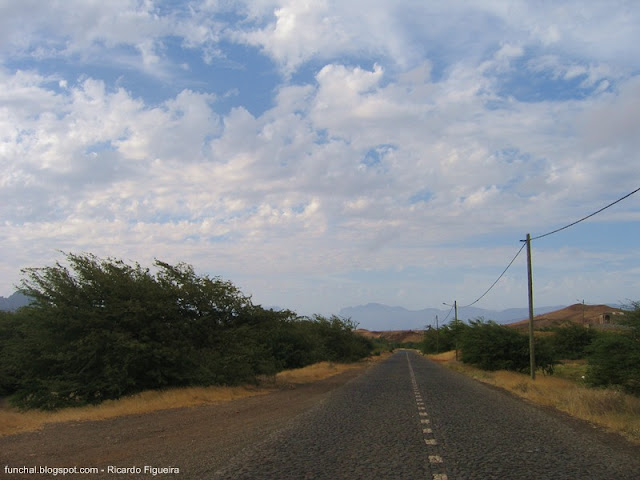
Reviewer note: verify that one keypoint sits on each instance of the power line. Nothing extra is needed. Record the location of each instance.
(445, 318)
(498, 279)
(588, 216)
(541, 236)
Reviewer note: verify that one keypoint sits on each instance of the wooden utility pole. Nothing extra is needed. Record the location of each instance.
(456, 330)
(532, 353)
(455, 307)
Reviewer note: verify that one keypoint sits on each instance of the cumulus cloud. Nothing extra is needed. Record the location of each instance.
(399, 146)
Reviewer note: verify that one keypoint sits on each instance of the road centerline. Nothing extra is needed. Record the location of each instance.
(436, 462)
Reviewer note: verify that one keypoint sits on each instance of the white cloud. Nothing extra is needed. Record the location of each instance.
(612, 121)
(400, 152)
(76, 24)
(297, 32)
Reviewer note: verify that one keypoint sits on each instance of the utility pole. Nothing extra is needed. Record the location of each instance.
(437, 336)
(532, 353)
(455, 323)
(455, 308)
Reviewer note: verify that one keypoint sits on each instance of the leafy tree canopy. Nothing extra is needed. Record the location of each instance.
(100, 328)
(614, 357)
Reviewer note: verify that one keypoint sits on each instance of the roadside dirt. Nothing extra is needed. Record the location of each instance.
(197, 440)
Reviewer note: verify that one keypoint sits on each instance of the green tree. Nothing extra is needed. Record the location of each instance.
(571, 342)
(491, 346)
(98, 329)
(631, 319)
(442, 339)
(337, 340)
(12, 334)
(614, 357)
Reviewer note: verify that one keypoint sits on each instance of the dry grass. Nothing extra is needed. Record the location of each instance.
(313, 373)
(13, 420)
(444, 357)
(322, 370)
(610, 409)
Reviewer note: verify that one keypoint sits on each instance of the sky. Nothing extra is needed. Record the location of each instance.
(331, 153)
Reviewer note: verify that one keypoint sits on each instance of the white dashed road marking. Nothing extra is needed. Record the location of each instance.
(436, 462)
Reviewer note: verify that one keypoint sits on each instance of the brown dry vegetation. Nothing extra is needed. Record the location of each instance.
(394, 336)
(13, 420)
(607, 408)
(577, 314)
(313, 373)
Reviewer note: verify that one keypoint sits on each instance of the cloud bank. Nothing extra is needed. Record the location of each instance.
(326, 154)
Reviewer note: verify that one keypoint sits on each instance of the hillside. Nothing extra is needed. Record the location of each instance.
(598, 316)
(379, 317)
(579, 314)
(394, 336)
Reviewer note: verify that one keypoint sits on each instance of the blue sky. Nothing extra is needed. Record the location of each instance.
(327, 154)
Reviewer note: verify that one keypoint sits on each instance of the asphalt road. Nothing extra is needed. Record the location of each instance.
(409, 418)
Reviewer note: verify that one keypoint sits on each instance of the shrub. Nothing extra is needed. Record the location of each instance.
(439, 340)
(491, 346)
(571, 342)
(614, 358)
(614, 361)
(98, 329)
(12, 333)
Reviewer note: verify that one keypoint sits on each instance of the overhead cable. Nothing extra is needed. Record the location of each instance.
(498, 279)
(445, 318)
(541, 236)
(588, 216)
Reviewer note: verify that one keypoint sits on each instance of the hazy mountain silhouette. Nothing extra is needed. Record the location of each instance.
(14, 302)
(376, 316)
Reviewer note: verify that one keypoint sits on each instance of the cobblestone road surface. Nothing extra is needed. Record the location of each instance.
(408, 418)
(404, 418)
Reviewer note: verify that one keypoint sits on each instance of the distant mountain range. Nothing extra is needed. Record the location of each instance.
(377, 317)
(13, 302)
